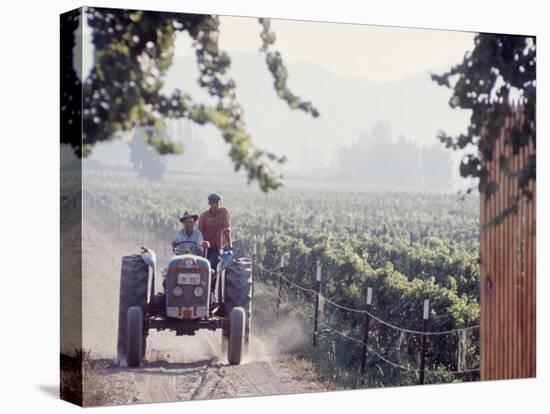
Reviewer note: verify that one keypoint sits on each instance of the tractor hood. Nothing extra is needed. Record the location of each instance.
(188, 261)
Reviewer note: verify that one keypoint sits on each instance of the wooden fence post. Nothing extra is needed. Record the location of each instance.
(281, 267)
(318, 290)
(164, 240)
(364, 372)
(156, 227)
(254, 252)
(423, 345)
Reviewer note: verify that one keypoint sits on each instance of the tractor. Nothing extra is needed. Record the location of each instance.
(194, 297)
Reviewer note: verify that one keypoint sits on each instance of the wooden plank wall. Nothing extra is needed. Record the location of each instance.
(508, 274)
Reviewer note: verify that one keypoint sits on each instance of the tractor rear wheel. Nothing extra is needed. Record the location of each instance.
(238, 292)
(134, 279)
(235, 345)
(135, 340)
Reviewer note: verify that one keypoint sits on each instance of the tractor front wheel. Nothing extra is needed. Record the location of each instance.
(235, 345)
(135, 345)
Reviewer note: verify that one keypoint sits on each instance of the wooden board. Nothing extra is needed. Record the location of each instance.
(508, 272)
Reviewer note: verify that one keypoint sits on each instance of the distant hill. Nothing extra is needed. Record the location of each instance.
(415, 107)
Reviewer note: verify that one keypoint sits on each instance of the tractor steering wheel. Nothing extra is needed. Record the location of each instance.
(188, 241)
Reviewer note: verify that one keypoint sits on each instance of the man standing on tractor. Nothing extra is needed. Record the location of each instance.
(216, 229)
(188, 238)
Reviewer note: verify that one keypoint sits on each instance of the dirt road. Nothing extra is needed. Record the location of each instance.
(158, 381)
(176, 368)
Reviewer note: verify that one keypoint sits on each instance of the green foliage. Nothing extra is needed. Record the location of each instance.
(485, 82)
(132, 52)
(71, 87)
(275, 64)
(361, 239)
(398, 297)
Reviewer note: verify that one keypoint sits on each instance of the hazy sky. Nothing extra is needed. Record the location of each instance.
(378, 53)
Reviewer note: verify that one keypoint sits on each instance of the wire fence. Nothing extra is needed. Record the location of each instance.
(364, 311)
(278, 277)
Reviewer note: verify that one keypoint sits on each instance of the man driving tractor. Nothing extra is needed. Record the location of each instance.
(215, 228)
(188, 238)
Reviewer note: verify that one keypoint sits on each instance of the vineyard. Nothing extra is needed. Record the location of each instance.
(406, 247)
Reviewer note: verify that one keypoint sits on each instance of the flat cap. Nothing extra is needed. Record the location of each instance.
(215, 197)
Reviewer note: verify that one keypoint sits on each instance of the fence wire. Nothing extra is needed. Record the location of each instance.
(325, 326)
(364, 311)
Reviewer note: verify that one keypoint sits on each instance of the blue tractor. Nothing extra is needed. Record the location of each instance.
(194, 297)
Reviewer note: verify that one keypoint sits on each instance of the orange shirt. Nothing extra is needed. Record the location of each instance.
(213, 227)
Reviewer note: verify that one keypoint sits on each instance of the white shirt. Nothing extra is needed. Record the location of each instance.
(182, 236)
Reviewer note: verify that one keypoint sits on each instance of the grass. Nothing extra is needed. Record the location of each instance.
(304, 369)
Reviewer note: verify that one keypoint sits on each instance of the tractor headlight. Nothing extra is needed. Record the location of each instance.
(198, 291)
(177, 291)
